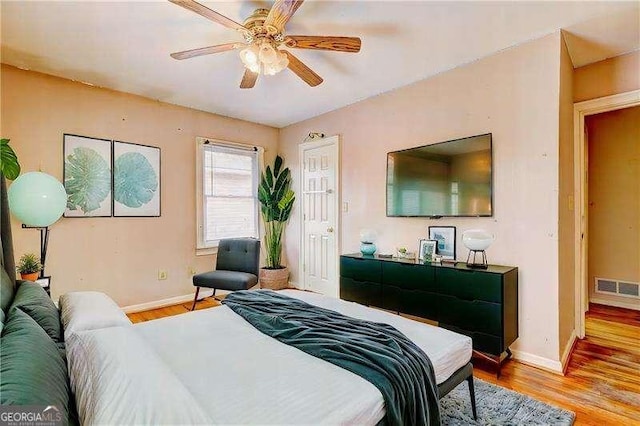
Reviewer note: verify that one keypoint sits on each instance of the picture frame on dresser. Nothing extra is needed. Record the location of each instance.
(446, 238)
(427, 249)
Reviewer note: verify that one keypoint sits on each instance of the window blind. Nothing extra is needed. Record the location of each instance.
(229, 193)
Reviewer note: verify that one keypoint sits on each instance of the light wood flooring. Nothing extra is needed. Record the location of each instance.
(602, 381)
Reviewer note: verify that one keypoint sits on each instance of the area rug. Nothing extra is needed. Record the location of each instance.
(499, 406)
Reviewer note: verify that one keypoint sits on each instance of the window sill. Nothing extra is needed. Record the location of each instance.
(206, 251)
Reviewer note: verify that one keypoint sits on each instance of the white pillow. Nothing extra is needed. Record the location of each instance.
(118, 379)
(89, 310)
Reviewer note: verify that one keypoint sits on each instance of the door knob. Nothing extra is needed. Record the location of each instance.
(330, 229)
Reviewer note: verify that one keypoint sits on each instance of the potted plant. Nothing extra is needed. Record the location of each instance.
(29, 266)
(276, 201)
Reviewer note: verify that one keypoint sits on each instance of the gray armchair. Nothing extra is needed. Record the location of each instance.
(237, 266)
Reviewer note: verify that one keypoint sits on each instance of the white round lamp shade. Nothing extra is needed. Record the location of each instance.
(477, 239)
(37, 199)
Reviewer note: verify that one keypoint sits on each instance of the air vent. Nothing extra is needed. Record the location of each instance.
(620, 288)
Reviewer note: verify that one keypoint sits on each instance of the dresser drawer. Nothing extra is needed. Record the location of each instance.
(361, 269)
(409, 276)
(482, 342)
(471, 315)
(364, 292)
(470, 285)
(412, 302)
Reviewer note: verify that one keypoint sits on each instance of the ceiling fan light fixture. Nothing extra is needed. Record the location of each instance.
(268, 54)
(281, 63)
(250, 57)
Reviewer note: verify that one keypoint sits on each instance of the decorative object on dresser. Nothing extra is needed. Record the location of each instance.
(276, 201)
(136, 180)
(446, 238)
(427, 250)
(482, 304)
(477, 241)
(367, 242)
(87, 176)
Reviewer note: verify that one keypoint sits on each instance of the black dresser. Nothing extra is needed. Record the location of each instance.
(481, 303)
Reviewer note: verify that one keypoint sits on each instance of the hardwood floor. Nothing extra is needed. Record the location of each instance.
(168, 311)
(602, 382)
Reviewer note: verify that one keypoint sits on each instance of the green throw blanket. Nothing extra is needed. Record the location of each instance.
(374, 351)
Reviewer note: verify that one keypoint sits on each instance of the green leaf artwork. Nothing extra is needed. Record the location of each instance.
(135, 182)
(87, 179)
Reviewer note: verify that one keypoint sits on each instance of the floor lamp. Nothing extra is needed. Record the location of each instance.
(38, 201)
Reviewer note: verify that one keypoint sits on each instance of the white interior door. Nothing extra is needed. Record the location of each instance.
(320, 216)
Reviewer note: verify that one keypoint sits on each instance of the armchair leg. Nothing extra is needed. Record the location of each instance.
(195, 299)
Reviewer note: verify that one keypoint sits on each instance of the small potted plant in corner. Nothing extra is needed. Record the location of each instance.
(276, 201)
(29, 266)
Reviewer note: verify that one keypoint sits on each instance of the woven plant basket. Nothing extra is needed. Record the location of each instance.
(274, 279)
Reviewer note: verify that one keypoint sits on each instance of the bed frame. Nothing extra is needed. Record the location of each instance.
(462, 374)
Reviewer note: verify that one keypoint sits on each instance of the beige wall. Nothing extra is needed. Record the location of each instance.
(513, 94)
(566, 228)
(611, 76)
(614, 198)
(120, 256)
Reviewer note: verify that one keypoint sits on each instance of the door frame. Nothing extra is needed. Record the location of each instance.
(305, 146)
(580, 192)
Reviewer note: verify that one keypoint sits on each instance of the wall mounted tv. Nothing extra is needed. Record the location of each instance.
(452, 178)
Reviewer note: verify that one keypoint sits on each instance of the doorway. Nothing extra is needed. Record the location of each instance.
(320, 215)
(582, 110)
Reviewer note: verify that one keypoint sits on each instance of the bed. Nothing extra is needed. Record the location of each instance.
(212, 366)
(204, 367)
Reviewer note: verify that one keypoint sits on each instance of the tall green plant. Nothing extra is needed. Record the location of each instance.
(9, 165)
(276, 201)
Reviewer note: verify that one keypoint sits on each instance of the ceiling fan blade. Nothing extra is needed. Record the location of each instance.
(281, 12)
(303, 71)
(248, 79)
(337, 44)
(196, 7)
(186, 54)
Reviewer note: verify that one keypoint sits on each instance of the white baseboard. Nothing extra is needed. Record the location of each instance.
(166, 302)
(538, 361)
(294, 284)
(635, 305)
(567, 350)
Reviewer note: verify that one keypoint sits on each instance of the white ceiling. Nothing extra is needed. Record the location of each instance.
(125, 46)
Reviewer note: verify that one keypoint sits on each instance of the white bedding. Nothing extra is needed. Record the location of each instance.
(237, 375)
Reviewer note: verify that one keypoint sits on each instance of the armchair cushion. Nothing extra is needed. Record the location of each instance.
(239, 254)
(225, 280)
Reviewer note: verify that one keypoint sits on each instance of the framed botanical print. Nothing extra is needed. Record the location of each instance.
(87, 176)
(136, 180)
(446, 238)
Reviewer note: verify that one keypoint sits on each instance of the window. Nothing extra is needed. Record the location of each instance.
(227, 192)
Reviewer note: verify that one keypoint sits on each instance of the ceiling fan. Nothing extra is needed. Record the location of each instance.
(264, 34)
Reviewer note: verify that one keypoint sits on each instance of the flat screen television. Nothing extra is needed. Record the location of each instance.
(452, 178)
